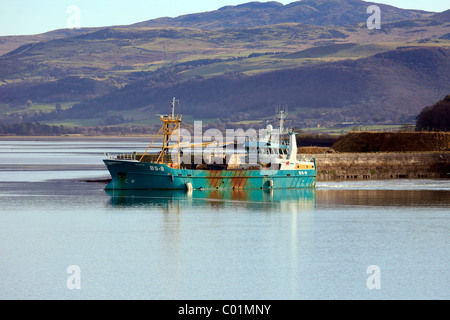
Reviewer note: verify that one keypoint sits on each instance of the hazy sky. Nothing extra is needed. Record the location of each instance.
(38, 16)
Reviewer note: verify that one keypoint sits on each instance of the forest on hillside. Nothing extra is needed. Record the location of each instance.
(436, 117)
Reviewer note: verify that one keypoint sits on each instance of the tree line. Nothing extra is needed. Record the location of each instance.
(436, 117)
(39, 129)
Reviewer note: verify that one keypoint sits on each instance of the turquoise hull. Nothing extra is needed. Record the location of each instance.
(133, 175)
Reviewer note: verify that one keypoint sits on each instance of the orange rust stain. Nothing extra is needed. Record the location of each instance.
(214, 178)
(238, 182)
(243, 182)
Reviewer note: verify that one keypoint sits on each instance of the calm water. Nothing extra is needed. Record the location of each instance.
(298, 244)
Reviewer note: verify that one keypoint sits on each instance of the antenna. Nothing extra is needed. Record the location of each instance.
(174, 101)
(282, 113)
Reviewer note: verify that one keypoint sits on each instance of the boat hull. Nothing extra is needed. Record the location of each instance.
(134, 175)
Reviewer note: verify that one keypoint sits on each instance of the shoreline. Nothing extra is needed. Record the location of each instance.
(142, 138)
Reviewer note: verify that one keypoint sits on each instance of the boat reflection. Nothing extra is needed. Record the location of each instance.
(258, 199)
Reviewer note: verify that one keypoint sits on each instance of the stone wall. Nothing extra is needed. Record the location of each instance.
(360, 166)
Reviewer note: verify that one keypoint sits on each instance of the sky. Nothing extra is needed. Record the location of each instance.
(27, 17)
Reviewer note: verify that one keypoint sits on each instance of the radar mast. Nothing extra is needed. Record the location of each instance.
(282, 113)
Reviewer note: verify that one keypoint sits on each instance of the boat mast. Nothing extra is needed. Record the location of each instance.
(173, 107)
(282, 113)
(171, 123)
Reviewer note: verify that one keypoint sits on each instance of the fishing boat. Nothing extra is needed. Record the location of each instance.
(262, 163)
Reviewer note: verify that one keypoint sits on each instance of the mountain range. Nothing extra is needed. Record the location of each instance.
(233, 65)
(257, 14)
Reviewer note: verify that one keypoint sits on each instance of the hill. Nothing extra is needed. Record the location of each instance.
(442, 16)
(387, 85)
(10, 43)
(316, 56)
(313, 12)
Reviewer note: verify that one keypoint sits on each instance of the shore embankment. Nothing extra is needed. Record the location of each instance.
(371, 166)
(384, 155)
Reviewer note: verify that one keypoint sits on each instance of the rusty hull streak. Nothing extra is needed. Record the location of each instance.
(216, 179)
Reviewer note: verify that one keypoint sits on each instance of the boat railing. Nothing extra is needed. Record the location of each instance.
(121, 156)
(154, 158)
(170, 117)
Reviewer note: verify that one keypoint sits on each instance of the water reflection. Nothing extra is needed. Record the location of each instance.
(280, 222)
(266, 200)
(384, 198)
(290, 200)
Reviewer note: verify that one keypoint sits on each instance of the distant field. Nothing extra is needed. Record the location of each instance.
(347, 129)
(74, 123)
(37, 107)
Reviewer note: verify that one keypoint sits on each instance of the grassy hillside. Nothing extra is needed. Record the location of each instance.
(316, 56)
(253, 14)
(387, 85)
(10, 43)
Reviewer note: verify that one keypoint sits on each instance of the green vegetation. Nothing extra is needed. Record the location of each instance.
(37, 107)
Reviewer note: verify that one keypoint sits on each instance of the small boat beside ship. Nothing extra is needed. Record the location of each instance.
(262, 164)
